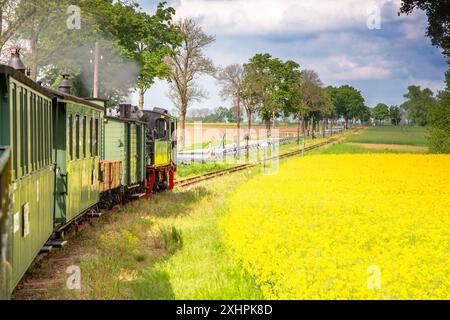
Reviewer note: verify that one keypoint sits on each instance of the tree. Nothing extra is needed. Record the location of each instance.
(231, 82)
(251, 94)
(13, 14)
(349, 103)
(418, 104)
(439, 121)
(147, 39)
(438, 20)
(263, 66)
(365, 114)
(380, 112)
(273, 84)
(311, 96)
(188, 63)
(395, 115)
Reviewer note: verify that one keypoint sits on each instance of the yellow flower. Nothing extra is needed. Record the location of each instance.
(329, 226)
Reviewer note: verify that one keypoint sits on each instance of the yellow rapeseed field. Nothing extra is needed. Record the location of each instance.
(372, 226)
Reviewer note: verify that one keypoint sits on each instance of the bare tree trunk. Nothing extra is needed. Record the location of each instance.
(141, 98)
(273, 126)
(304, 134)
(300, 120)
(96, 70)
(324, 127)
(182, 131)
(312, 127)
(2, 40)
(34, 53)
(268, 129)
(238, 118)
(249, 128)
(273, 119)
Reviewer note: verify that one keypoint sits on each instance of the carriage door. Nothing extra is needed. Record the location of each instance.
(63, 127)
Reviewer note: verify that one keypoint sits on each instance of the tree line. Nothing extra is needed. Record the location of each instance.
(437, 113)
(138, 48)
(57, 39)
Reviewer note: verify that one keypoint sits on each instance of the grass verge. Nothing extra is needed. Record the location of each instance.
(165, 248)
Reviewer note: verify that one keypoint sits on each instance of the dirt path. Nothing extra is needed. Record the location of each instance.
(398, 147)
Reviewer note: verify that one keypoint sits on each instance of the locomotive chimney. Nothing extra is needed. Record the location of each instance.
(14, 61)
(64, 86)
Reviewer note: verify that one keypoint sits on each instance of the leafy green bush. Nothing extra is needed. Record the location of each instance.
(439, 125)
(173, 239)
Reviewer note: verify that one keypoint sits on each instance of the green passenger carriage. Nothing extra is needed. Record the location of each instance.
(4, 222)
(63, 157)
(76, 154)
(124, 141)
(27, 128)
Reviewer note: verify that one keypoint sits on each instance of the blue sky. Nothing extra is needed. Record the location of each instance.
(331, 37)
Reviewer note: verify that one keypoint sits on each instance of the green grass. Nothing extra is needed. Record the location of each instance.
(193, 169)
(404, 135)
(169, 247)
(344, 147)
(409, 136)
(204, 145)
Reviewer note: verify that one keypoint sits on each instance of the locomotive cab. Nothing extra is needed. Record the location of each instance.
(161, 137)
(161, 148)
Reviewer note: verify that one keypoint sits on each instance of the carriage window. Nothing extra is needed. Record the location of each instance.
(84, 136)
(26, 125)
(23, 134)
(161, 128)
(32, 132)
(172, 129)
(77, 136)
(96, 138)
(91, 125)
(15, 126)
(40, 130)
(70, 137)
(44, 133)
(50, 131)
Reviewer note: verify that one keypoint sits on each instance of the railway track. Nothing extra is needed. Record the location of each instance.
(35, 288)
(211, 175)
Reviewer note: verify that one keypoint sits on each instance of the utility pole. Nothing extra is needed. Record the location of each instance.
(96, 70)
(238, 112)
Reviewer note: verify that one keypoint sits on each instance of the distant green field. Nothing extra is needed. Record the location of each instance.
(193, 169)
(343, 147)
(243, 124)
(405, 135)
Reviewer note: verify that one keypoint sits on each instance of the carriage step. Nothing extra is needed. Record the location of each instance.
(46, 248)
(138, 195)
(56, 243)
(95, 214)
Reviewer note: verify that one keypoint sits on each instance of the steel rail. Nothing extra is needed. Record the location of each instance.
(211, 175)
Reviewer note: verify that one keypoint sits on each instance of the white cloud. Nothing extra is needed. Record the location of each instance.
(272, 16)
(433, 85)
(415, 30)
(345, 68)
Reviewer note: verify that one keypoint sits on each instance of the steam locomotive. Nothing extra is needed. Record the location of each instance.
(63, 158)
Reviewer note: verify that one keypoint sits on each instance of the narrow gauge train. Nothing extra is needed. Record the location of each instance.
(64, 158)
